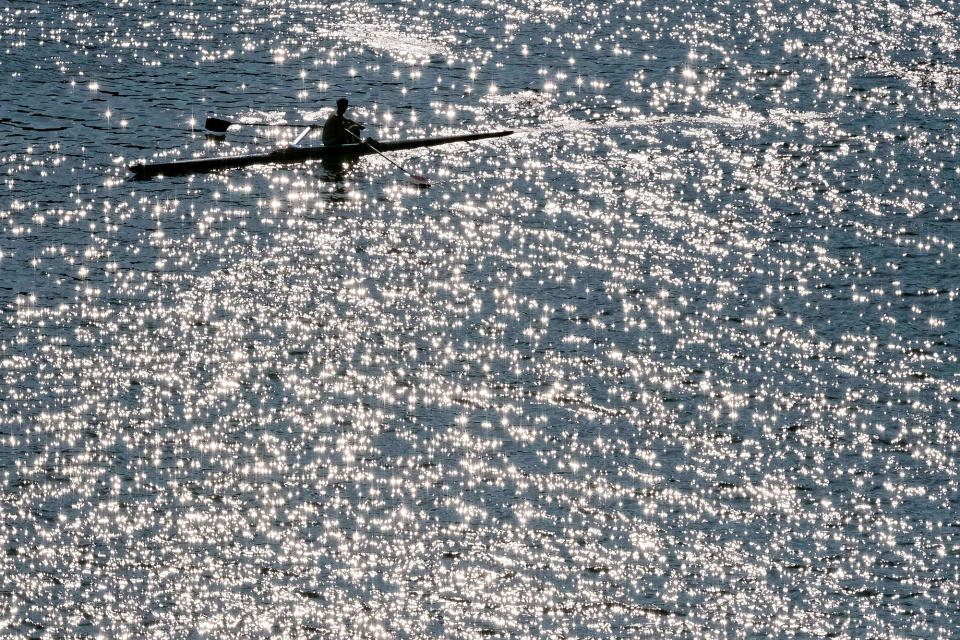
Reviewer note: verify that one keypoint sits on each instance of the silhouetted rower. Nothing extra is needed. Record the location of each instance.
(339, 129)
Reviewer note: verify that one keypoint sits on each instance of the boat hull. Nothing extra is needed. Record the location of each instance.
(297, 154)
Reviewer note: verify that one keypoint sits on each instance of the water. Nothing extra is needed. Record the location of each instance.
(677, 359)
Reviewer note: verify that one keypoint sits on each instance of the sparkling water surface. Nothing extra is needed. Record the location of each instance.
(677, 359)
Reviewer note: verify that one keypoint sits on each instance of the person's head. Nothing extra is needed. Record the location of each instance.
(341, 106)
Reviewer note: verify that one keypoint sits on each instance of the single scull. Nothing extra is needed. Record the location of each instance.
(297, 154)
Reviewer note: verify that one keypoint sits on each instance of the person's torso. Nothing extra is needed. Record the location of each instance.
(334, 130)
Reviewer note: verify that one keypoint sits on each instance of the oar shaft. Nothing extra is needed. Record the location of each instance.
(220, 125)
(303, 134)
(379, 153)
(420, 180)
(277, 124)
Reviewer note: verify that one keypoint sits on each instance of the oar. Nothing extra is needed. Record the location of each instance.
(419, 181)
(220, 125)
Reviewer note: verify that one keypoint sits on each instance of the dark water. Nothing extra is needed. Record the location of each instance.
(677, 359)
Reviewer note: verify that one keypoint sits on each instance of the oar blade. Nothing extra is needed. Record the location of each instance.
(419, 181)
(217, 124)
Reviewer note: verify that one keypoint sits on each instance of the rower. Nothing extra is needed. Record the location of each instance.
(338, 129)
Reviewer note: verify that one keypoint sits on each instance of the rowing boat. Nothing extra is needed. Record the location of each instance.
(145, 170)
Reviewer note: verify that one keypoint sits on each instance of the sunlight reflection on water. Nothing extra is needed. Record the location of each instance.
(679, 358)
